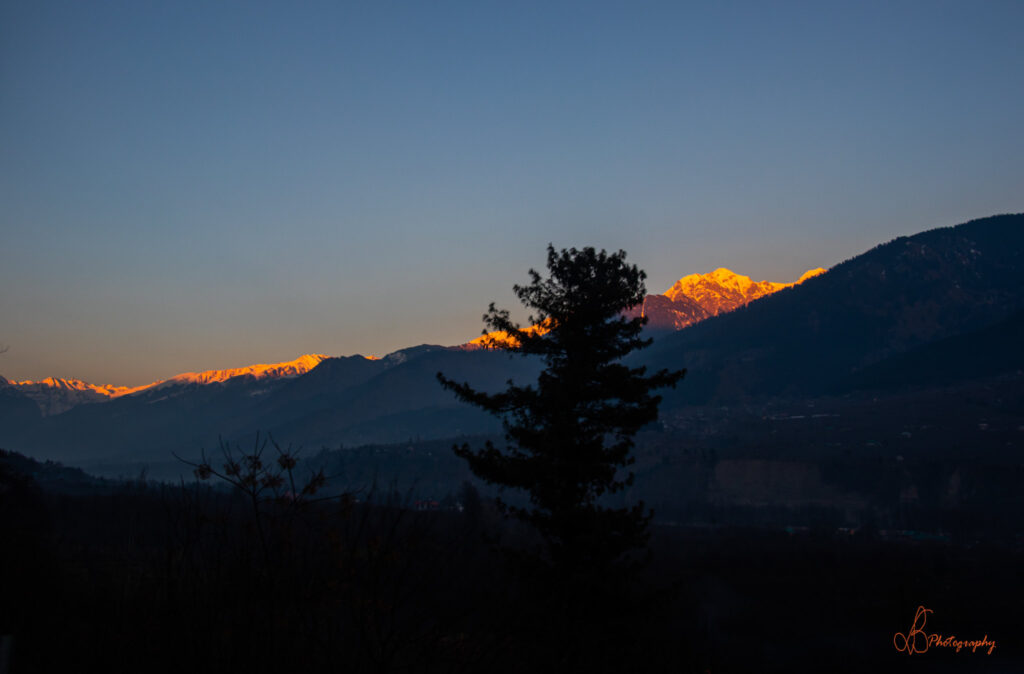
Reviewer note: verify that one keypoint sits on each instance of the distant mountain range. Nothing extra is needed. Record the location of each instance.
(914, 311)
(691, 299)
(55, 395)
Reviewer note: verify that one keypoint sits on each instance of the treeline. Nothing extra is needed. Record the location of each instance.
(155, 578)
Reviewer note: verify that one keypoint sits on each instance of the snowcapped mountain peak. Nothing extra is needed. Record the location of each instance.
(723, 290)
(55, 395)
(292, 368)
(107, 390)
(696, 297)
(501, 338)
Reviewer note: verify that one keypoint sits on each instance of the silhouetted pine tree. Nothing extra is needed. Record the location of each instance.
(570, 435)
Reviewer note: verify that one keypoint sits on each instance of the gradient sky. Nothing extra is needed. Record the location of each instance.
(197, 185)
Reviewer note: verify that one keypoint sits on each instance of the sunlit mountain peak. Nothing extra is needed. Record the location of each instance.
(55, 395)
(72, 385)
(723, 290)
(292, 368)
(499, 339)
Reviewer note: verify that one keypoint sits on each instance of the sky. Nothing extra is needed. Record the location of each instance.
(198, 185)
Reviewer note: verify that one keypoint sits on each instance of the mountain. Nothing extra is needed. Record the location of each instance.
(816, 337)
(292, 368)
(405, 401)
(697, 297)
(501, 337)
(54, 395)
(723, 290)
(182, 417)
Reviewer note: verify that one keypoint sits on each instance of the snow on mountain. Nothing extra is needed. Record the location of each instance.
(810, 273)
(723, 290)
(55, 395)
(696, 297)
(292, 368)
(499, 338)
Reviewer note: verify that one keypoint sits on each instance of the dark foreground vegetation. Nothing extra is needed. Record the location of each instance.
(141, 577)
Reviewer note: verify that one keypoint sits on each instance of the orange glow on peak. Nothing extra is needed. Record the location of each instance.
(722, 280)
(501, 339)
(292, 368)
(107, 390)
(811, 273)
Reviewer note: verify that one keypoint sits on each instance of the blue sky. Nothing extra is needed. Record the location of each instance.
(192, 185)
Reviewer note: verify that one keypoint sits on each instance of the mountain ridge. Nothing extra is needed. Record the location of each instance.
(692, 298)
(57, 394)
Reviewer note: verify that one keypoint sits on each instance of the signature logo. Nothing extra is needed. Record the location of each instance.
(918, 641)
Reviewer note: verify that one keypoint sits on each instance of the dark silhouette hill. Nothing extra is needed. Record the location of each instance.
(405, 401)
(319, 388)
(982, 353)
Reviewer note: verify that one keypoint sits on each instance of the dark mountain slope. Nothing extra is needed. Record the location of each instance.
(146, 425)
(318, 389)
(406, 400)
(16, 409)
(990, 351)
